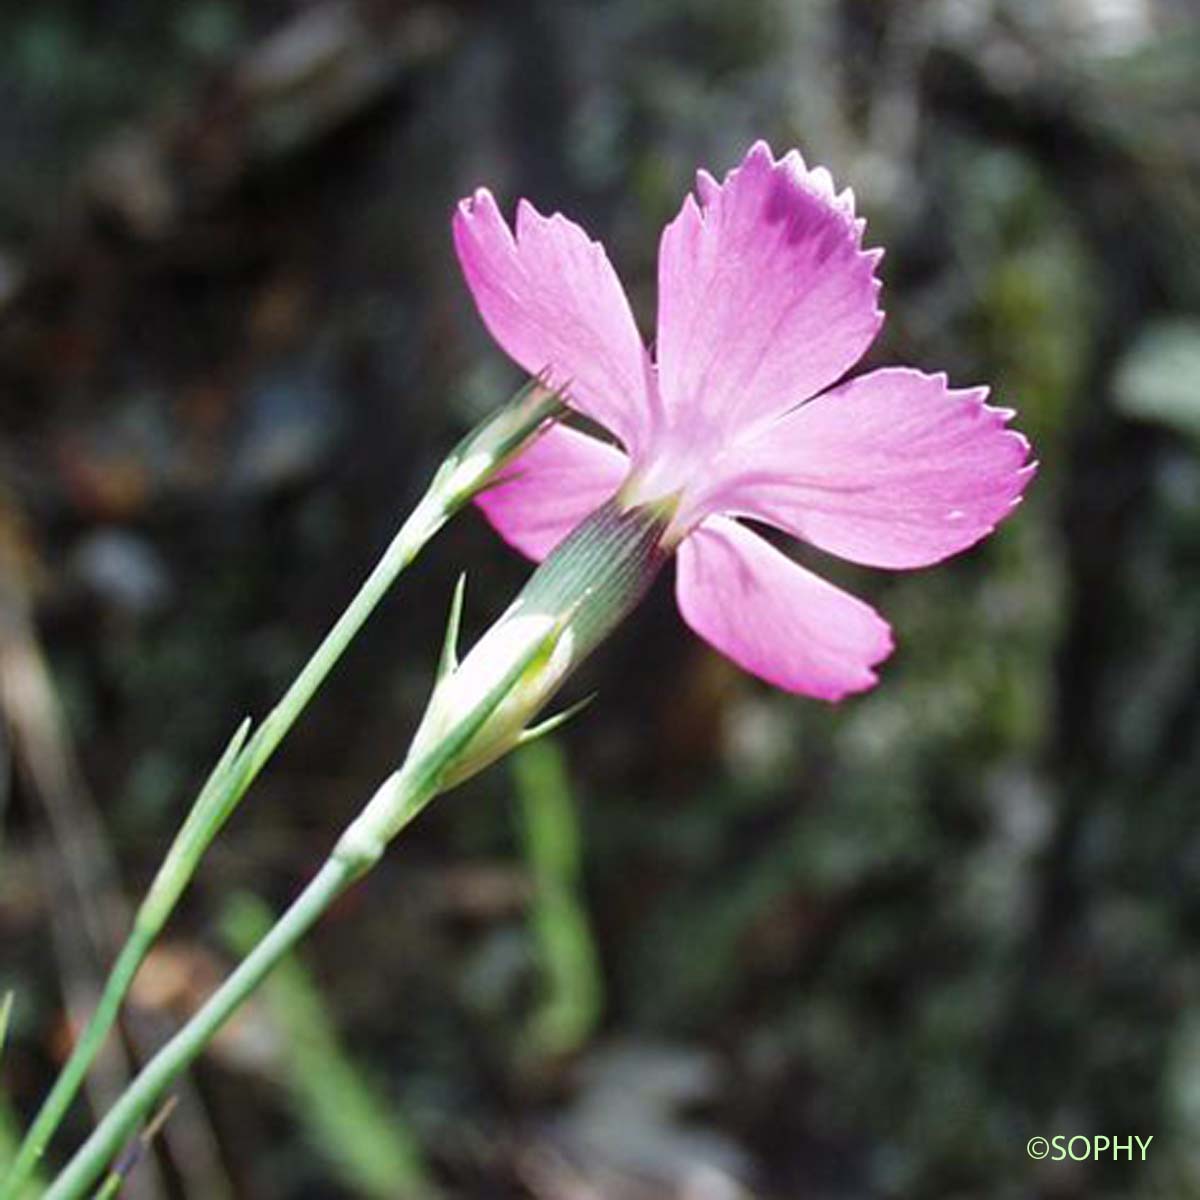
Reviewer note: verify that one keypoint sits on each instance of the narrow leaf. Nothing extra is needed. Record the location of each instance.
(449, 659)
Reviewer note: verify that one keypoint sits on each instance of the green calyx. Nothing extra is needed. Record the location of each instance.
(473, 463)
(602, 569)
(571, 603)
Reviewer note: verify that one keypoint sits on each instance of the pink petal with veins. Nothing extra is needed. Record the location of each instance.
(765, 294)
(548, 489)
(892, 469)
(552, 300)
(774, 618)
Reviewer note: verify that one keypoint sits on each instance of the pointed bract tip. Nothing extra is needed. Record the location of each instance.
(449, 657)
(557, 721)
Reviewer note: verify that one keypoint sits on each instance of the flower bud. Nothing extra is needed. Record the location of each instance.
(578, 595)
(473, 463)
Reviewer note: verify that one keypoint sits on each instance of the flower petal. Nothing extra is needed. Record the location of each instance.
(546, 491)
(765, 293)
(551, 299)
(892, 469)
(774, 618)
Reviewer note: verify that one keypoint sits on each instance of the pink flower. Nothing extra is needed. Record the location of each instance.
(766, 298)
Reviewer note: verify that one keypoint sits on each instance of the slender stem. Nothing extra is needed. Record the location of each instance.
(72, 1075)
(468, 468)
(181, 861)
(400, 797)
(332, 879)
(426, 519)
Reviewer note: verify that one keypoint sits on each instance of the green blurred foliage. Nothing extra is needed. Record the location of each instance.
(360, 1134)
(1159, 378)
(570, 1008)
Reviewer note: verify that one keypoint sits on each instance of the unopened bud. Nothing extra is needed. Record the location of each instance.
(473, 463)
(582, 591)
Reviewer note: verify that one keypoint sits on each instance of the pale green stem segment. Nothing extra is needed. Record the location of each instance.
(478, 711)
(6, 1004)
(364, 1138)
(468, 469)
(10, 1137)
(399, 799)
(110, 1187)
(86, 1167)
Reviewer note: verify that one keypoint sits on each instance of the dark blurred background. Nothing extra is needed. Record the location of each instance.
(714, 941)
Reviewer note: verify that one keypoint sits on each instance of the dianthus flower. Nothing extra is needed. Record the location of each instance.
(766, 298)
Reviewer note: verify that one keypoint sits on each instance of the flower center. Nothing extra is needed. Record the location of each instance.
(682, 468)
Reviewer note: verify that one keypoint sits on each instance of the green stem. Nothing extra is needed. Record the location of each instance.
(332, 879)
(395, 803)
(469, 467)
(202, 827)
(427, 518)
